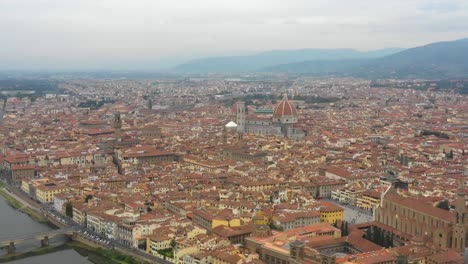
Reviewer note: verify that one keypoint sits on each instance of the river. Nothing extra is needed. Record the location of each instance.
(14, 223)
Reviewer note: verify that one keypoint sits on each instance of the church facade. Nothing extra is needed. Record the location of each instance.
(282, 123)
(443, 228)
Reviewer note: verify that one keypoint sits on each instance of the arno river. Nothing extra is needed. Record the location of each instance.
(14, 223)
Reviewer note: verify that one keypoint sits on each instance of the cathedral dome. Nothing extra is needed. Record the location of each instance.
(284, 108)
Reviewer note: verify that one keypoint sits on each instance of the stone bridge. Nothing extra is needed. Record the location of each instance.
(8, 243)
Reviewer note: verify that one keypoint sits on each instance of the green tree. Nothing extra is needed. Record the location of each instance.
(387, 241)
(377, 235)
(384, 240)
(444, 205)
(335, 224)
(88, 197)
(381, 240)
(69, 210)
(150, 104)
(173, 244)
(368, 234)
(402, 260)
(275, 227)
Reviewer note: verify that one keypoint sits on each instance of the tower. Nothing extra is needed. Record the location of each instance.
(150, 104)
(459, 230)
(240, 116)
(296, 251)
(225, 135)
(117, 125)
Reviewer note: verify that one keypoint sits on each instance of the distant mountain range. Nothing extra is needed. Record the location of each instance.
(447, 59)
(437, 60)
(264, 60)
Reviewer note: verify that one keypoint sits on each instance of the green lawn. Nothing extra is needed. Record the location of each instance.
(10, 200)
(35, 252)
(103, 256)
(168, 252)
(34, 215)
(94, 255)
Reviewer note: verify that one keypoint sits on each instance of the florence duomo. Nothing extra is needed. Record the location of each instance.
(280, 123)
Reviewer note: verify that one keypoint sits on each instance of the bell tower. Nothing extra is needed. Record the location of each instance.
(459, 230)
(117, 125)
(240, 116)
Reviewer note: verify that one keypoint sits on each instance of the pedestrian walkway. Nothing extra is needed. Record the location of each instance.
(354, 215)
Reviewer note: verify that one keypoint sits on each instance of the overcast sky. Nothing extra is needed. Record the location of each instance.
(42, 34)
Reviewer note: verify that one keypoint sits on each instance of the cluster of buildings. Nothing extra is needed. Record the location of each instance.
(213, 171)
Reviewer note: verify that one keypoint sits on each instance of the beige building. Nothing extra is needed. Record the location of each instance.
(368, 200)
(415, 218)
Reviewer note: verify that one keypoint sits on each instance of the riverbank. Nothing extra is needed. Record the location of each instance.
(33, 253)
(94, 255)
(103, 256)
(13, 202)
(87, 249)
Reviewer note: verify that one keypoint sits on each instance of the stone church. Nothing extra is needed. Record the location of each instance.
(282, 123)
(443, 228)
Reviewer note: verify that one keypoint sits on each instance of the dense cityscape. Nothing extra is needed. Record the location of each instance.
(245, 170)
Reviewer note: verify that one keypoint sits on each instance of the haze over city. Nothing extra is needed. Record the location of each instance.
(155, 35)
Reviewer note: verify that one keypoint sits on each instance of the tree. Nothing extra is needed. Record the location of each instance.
(444, 205)
(173, 244)
(150, 104)
(368, 234)
(88, 197)
(387, 241)
(384, 240)
(335, 224)
(345, 228)
(69, 210)
(275, 227)
(381, 240)
(402, 260)
(271, 225)
(377, 235)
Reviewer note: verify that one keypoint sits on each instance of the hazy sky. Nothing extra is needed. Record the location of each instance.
(41, 34)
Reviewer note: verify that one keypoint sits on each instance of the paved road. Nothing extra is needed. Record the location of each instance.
(354, 215)
(47, 209)
(24, 199)
(18, 198)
